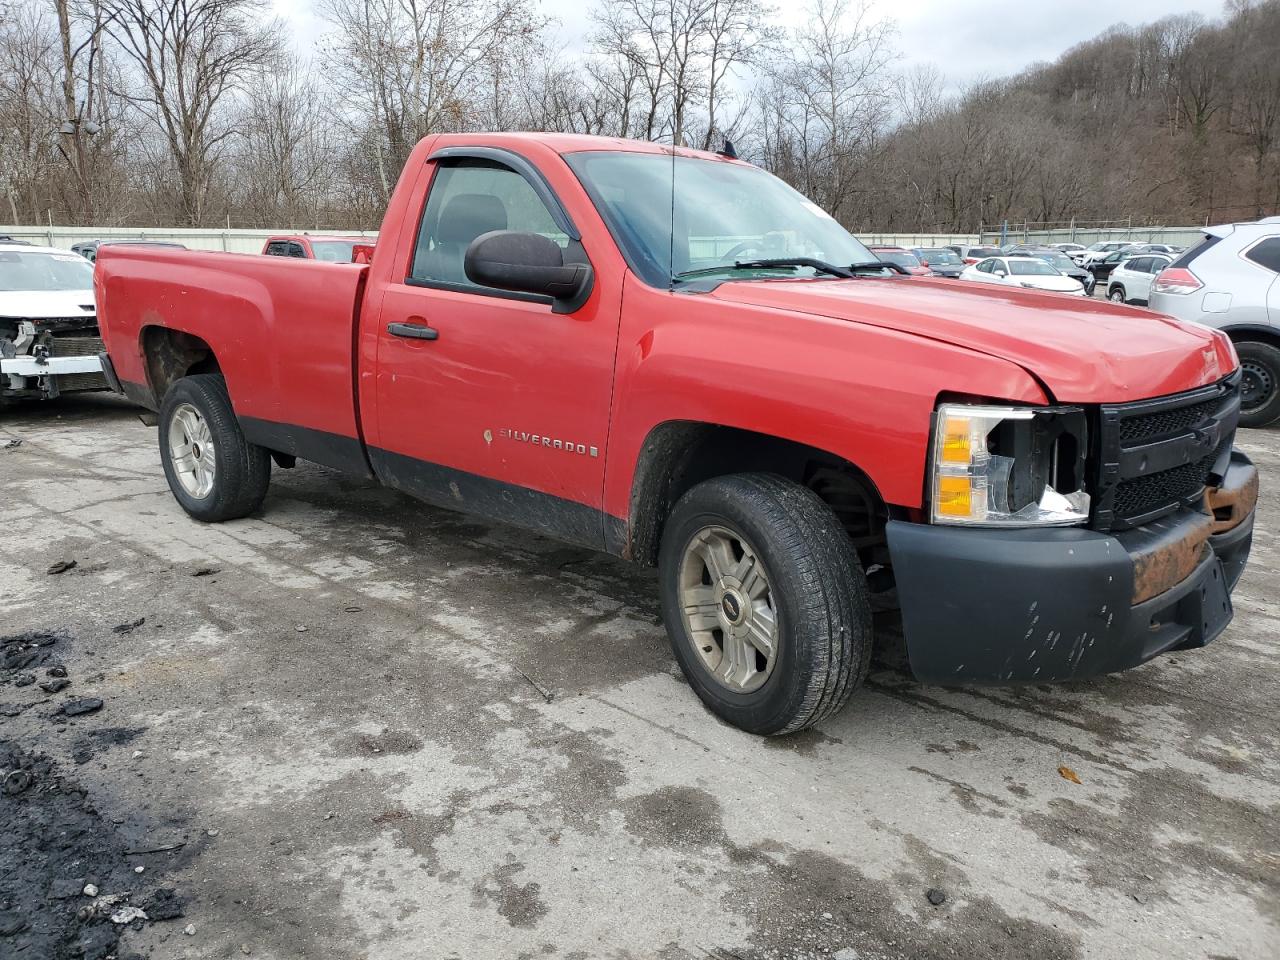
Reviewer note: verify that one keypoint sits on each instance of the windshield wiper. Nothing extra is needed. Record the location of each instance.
(779, 263)
(878, 265)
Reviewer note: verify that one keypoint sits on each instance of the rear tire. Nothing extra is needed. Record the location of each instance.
(214, 472)
(814, 596)
(1116, 295)
(1260, 389)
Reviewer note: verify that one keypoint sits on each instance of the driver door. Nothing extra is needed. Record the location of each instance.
(487, 400)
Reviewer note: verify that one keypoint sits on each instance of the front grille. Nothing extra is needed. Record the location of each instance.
(1140, 429)
(1154, 456)
(1136, 496)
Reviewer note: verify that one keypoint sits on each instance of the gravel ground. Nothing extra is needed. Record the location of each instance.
(357, 727)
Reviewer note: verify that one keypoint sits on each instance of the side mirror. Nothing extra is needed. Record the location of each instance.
(362, 253)
(1000, 273)
(528, 263)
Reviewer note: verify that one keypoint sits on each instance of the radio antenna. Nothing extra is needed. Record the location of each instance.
(671, 240)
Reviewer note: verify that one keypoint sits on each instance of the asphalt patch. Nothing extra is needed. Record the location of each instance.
(53, 844)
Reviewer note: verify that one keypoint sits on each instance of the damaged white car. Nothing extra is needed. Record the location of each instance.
(49, 343)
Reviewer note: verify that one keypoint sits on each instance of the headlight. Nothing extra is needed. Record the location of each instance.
(1009, 466)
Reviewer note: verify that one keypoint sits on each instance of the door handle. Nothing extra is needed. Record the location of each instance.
(413, 331)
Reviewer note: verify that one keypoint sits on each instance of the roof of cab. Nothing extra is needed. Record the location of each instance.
(573, 143)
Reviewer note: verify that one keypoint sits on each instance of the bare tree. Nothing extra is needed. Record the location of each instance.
(829, 103)
(413, 67)
(285, 155)
(191, 58)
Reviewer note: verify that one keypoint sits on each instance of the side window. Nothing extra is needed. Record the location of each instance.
(986, 265)
(1137, 265)
(469, 199)
(276, 249)
(295, 250)
(1266, 254)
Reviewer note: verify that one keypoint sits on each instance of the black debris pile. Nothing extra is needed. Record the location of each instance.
(21, 653)
(68, 889)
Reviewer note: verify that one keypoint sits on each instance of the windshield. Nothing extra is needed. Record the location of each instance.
(937, 256)
(44, 271)
(723, 213)
(1031, 268)
(1061, 261)
(335, 251)
(900, 257)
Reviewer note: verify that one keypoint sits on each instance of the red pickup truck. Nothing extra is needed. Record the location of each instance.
(674, 357)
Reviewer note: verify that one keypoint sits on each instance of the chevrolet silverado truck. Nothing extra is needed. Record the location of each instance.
(673, 357)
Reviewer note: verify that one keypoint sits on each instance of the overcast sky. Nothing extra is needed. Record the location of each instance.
(964, 39)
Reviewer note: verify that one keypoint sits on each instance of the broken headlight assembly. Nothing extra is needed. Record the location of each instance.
(1009, 466)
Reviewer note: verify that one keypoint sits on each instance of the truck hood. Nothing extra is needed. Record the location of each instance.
(45, 304)
(1084, 351)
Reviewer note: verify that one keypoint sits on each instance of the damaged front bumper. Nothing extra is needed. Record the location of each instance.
(1036, 605)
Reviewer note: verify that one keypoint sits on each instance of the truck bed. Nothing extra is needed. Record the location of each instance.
(283, 329)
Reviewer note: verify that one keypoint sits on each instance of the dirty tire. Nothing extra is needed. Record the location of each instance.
(823, 645)
(1116, 295)
(1261, 363)
(243, 469)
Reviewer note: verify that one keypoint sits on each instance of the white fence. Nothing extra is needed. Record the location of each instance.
(1174, 236)
(920, 239)
(231, 241)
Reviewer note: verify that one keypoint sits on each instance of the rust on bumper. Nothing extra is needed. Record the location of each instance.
(1169, 557)
(1171, 549)
(1235, 499)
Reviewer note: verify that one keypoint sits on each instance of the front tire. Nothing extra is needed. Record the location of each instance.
(214, 472)
(1260, 384)
(1116, 295)
(765, 602)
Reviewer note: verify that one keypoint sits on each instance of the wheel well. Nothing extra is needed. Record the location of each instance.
(1254, 334)
(172, 355)
(678, 455)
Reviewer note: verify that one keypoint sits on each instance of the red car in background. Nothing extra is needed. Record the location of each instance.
(903, 258)
(306, 247)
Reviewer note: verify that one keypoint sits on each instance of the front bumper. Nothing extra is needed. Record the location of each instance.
(1065, 603)
(16, 374)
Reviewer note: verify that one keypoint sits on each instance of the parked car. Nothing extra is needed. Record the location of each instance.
(941, 261)
(303, 246)
(1155, 248)
(1130, 280)
(536, 340)
(971, 255)
(1070, 249)
(1100, 250)
(1022, 271)
(49, 341)
(1067, 267)
(6, 238)
(1102, 267)
(89, 248)
(1231, 281)
(903, 258)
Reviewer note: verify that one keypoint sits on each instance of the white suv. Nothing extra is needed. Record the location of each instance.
(1231, 280)
(1130, 281)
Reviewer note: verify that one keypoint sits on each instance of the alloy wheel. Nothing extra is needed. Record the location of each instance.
(728, 608)
(191, 451)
